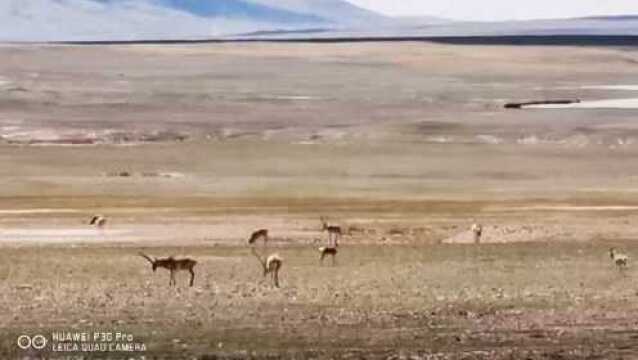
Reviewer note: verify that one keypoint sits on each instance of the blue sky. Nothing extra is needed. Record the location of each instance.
(501, 9)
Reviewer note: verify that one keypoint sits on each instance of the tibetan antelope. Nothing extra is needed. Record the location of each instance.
(334, 232)
(173, 265)
(271, 265)
(621, 260)
(477, 230)
(327, 251)
(259, 234)
(98, 221)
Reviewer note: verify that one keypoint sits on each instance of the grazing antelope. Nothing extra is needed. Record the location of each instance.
(328, 251)
(334, 232)
(173, 265)
(477, 230)
(271, 265)
(98, 221)
(621, 260)
(259, 234)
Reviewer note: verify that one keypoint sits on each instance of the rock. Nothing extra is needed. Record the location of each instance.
(521, 105)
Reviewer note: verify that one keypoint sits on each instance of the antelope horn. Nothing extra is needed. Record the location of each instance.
(147, 258)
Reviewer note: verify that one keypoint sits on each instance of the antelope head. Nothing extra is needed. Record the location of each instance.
(324, 224)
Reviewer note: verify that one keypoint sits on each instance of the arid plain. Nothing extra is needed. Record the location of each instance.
(186, 149)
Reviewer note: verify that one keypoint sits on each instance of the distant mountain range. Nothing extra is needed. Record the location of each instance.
(90, 20)
(336, 11)
(603, 25)
(234, 9)
(104, 20)
(435, 27)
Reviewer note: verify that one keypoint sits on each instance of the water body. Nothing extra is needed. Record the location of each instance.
(626, 103)
(629, 103)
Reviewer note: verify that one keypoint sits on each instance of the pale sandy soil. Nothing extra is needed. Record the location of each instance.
(188, 149)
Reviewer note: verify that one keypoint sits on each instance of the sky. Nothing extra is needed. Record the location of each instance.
(489, 10)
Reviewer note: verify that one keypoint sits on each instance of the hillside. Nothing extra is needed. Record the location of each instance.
(90, 20)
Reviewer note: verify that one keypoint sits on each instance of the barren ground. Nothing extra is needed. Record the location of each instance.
(187, 149)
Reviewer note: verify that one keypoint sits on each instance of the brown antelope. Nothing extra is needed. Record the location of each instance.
(98, 220)
(259, 234)
(621, 260)
(271, 265)
(328, 251)
(173, 265)
(334, 232)
(477, 230)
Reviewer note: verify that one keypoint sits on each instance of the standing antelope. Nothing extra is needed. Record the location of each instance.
(334, 232)
(621, 260)
(173, 265)
(98, 220)
(477, 230)
(259, 234)
(271, 265)
(328, 251)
